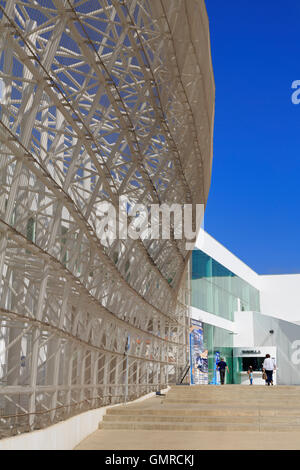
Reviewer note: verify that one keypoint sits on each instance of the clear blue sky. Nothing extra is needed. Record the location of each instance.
(254, 201)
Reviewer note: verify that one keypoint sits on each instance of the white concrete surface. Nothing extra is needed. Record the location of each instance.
(280, 296)
(244, 329)
(211, 319)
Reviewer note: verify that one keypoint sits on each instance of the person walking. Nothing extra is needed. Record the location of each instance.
(222, 366)
(250, 374)
(268, 367)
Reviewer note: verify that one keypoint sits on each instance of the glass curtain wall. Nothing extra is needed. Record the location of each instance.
(216, 289)
(218, 340)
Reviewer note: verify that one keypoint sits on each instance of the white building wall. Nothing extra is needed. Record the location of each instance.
(280, 296)
(244, 331)
(210, 319)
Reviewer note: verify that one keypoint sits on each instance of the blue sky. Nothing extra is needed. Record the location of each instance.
(254, 200)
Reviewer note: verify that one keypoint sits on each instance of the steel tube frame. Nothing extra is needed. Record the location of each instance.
(99, 100)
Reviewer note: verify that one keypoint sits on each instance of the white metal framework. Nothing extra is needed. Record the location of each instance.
(99, 99)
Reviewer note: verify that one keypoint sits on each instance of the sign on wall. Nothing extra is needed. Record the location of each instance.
(216, 375)
(198, 354)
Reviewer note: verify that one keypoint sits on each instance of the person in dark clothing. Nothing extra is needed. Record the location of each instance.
(222, 366)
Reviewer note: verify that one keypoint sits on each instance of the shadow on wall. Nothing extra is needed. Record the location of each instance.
(286, 338)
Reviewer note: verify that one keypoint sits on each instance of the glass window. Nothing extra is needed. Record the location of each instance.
(216, 289)
(218, 340)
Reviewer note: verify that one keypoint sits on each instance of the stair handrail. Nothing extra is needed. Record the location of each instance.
(184, 373)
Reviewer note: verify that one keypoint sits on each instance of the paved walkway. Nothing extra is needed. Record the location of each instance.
(185, 440)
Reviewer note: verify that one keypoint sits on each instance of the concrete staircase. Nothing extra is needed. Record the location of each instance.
(212, 408)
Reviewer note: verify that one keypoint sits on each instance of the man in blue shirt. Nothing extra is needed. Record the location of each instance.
(222, 366)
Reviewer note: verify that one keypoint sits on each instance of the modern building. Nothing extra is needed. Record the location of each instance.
(243, 316)
(100, 101)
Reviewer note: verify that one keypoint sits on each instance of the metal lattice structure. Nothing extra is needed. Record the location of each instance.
(99, 99)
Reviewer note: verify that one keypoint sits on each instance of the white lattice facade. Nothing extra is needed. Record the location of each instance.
(99, 99)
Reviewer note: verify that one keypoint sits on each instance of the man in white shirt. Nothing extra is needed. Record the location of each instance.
(268, 367)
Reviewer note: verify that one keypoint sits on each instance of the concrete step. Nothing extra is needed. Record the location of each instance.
(224, 401)
(286, 420)
(231, 398)
(271, 391)
(244, 389)
(248, 390)
(203, 408)
(234, 398)
(167, 413)
(203, 426)
(178, 419)
(182, 412)
(166, 426)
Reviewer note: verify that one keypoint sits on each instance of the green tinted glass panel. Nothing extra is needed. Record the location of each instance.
(216, 289)
(218, 340)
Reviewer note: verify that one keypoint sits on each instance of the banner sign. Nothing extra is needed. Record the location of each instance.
(216, 375)
(198, 354)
